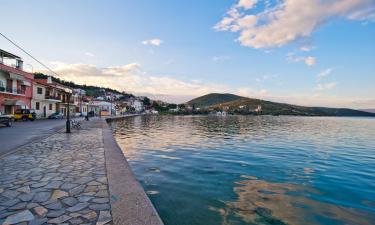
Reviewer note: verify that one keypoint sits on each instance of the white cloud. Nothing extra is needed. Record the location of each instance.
(324, 73)
(89, 54)
(326, 86)
(246, 4)
(291, 57)
(288, 20)
(154, 42)
(310, 61)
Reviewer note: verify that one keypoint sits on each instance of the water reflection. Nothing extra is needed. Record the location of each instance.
(261, 202)
(299, 170)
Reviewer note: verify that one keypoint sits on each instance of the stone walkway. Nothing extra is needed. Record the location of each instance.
(59, 180)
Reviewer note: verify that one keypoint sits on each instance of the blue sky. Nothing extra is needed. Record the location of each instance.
(307, 52)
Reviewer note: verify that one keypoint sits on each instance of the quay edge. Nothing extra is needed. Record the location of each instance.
(129, 202)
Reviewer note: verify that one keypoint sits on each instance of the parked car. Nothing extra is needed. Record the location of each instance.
(56, 115)
(6, 120)
(25, 114)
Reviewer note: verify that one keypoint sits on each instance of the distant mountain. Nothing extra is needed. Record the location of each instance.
(368, 110)
(243, 105)
(206, 101)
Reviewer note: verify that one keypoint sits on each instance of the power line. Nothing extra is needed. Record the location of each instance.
(29, 54)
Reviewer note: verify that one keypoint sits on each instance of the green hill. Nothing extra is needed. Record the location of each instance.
(242, 105)
(212, 99)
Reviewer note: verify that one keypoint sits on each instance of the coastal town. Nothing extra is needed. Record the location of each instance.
(23, 93)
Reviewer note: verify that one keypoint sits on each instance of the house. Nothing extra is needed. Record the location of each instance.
(105, 108)
(15, 84)
(60, 94)
(43, 104)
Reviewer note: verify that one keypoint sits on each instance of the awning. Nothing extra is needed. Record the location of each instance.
(26, 83)
(14, 102)
(16, 76)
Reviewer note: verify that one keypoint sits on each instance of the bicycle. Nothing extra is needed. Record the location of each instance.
(75, 124)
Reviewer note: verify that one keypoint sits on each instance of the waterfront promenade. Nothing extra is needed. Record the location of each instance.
(77, 178)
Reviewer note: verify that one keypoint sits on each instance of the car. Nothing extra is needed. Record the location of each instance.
(7, 120)
(56, 115)
(25, 114)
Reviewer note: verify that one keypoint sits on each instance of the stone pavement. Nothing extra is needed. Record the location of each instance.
(59, 180)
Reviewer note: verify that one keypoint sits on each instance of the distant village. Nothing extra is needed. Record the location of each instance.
(46, 96)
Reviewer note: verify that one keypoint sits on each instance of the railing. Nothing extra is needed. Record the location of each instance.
(53, 97)
(12, 90)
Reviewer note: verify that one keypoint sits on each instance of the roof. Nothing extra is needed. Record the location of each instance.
(8, 55)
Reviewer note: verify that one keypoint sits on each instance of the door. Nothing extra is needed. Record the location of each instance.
(44, 111)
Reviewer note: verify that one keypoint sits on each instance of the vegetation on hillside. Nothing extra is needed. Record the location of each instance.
(246, 106)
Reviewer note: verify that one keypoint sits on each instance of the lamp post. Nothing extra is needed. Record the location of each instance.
(68, 91)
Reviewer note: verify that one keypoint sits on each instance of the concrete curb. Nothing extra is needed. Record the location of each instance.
(129, 203)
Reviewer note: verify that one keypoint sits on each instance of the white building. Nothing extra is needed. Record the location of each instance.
(43, 106)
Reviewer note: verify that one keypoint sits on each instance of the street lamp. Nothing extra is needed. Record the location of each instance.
(68, 92)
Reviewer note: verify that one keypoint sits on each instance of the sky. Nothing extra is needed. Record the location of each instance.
(307, 52)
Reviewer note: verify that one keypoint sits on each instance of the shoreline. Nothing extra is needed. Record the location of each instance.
(123, 185)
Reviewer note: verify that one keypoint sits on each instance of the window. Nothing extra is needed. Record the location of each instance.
(39, 91)
(37, 105)
(50, 106)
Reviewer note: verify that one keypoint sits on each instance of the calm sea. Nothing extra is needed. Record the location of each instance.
(203, 170)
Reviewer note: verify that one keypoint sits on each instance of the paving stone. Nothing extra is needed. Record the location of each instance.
(84, 180)
(25, 189)
(53, 184)
(90, 216)
(6, 214)
(70, 201)
(10, 194)
(56, 194)
(60, 219)
(93, 183)
(18, 206)
(19, 217)
(41, 196)
(39, 184)
(68, 186)
(91, 188)
(10, 202)
(76, 221)
(40, 211)
(55, 213)
(104, 218)
(77, 190)
(74, 215)
(98, 207)
(36, 178)
(100, 200)
(38, 221)
(1, 190)
(32, 205)
(26, 196)
(77, 207)
(102, 193)
(102, 180)
(85, 198)
(54, 206)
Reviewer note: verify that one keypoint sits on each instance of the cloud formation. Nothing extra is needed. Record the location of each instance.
(326, 86)
(288, 20)
(324, 73)
(291, 57)
(154, 42)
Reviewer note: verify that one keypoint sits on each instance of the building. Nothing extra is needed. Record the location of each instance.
(59, 94)
(104, 107)
(43, 104)
(15, 84)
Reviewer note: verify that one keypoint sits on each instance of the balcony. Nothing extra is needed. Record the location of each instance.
(12, 90)
(53, 98)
